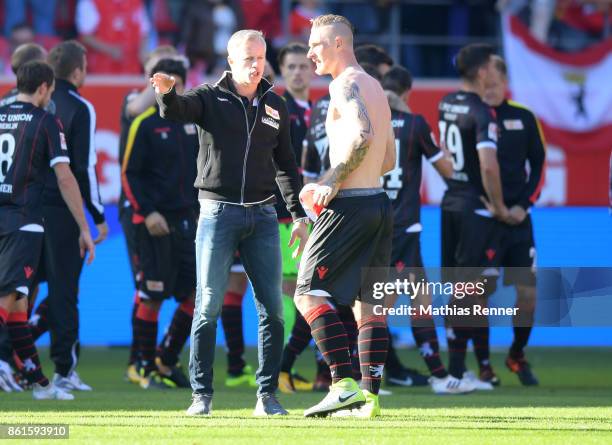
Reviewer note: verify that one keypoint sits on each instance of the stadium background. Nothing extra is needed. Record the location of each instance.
(572, 220)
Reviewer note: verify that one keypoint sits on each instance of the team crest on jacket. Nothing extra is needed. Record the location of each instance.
(269, 121)
(272, 112)
(513, 124)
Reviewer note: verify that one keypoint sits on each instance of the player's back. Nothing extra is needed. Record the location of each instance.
(466, 125)
(413, 140)
(26, 134)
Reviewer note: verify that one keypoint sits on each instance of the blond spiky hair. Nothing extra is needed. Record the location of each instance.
(331, 19)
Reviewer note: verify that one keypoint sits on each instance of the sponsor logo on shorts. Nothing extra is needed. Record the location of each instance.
(6, 188)
(28, 271)
(155, 286)
(272, 112)
(322, 271)
(490, 254)
(271, 122)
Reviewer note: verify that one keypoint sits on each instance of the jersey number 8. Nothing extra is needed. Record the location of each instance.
(7, 150)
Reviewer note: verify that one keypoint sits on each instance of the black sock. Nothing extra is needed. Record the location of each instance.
(178, 333)
(24, 347)
(6, 350)
(373, 341)
(480, 339)
(145, 331)
(231, 319)
(298, 341)
(521, 337)
(39, 324)
(133, 346)
(345, 313)
(457, 338)
(329, 334)
(424, 332)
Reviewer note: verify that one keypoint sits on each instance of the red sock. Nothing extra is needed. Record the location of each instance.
(23, 345)
(373, 341)
(328, 332)
(145, 333)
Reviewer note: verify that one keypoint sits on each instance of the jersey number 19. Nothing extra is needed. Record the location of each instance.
(451, 139)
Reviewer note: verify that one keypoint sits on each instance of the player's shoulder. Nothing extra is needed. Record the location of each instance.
(521, 109)
(276, 106)
(322, 103)
(80, 104)
(147, 117)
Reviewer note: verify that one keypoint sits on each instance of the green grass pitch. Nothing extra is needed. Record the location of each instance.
(572, 405)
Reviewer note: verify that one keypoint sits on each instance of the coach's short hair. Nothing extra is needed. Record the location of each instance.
(33, 74)
(332, 19)
(291, 48)
(372, 54)
(244, 35)
(398, 79)
(65, 57)
(171, 66)
(471, 58)
(27, 52)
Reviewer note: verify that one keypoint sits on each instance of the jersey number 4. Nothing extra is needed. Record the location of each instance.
(451, 139)
(393, 179)
(7, 150)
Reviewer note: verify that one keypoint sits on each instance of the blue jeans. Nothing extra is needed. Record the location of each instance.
(253, 231)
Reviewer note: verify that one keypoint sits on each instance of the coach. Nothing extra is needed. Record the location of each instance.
(245, 149)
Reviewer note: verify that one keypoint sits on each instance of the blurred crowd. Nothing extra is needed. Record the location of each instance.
(119, 33)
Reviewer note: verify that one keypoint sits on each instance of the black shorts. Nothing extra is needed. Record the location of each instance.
(167, 262)
(519, 255)
(406, 254)
(129, 232)
(352, 234)
(20, 253)
(471, 243)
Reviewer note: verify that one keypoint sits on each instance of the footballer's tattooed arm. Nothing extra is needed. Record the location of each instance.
(353, 111)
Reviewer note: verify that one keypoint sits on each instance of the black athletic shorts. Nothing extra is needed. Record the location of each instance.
(20, 253)
(472, 243)
(519, 254)
(168, 262)
(129, 232)
(352, 235)
(406, 254)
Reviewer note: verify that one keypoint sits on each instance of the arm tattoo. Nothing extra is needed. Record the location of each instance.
(359, 147)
